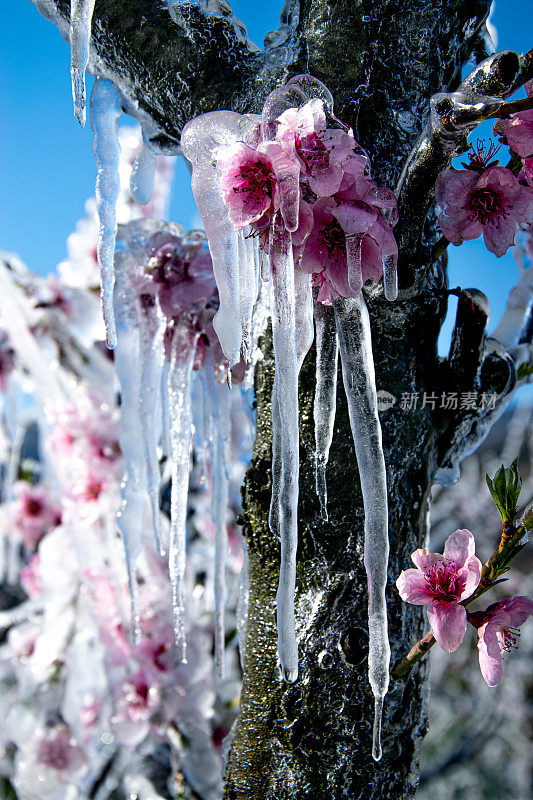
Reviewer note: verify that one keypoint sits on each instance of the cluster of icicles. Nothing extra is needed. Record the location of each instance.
(174, 384)
(247, 254)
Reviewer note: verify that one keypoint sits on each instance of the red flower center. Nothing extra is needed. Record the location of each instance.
(443, 581)
(256, 180)
(33, 507)
(332, 238)
(485, 204)
(312, 151)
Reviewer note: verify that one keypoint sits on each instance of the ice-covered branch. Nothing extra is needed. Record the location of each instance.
(453, 116)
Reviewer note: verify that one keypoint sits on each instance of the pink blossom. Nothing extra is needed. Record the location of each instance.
(30, 577)
(498, 630)
(325, 247)
(248, 183)
(443, 581)
(518, 130)
(321, 151)
(491, 204)
(34, 513)
(56, 750)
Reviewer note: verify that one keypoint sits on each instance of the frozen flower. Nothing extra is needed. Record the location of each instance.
(443, 582)
(248, 183)
(50, 765)
(325, 248)
(498, 629)
(492, 204)
(321, 151)
(34, 513)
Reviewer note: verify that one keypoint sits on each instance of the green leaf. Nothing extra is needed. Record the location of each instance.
(524, 371)
(505, 489)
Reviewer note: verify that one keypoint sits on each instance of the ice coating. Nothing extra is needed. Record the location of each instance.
(353, 331)
(133, 484)
(81, 12)
(152, 329)
(199, 138)
(390, 277)
(179, 404)
(517, 312)
(105, 111)
(327, 356)
(219, 397)
(285, 355)
(143, 174)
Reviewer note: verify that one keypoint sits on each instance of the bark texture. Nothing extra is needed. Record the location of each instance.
(382, 60)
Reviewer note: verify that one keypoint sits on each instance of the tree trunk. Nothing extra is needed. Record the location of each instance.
(382, 60)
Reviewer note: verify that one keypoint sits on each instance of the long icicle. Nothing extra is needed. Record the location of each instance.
(133, 484)
(142, 176)
(81, 12)
(286, 386)
(327, 356)
(179, 401)
(220, 443)
(353, 330)
(105, 111)
(152, 329)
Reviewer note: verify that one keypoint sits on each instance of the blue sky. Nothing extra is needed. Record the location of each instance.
(47, 170)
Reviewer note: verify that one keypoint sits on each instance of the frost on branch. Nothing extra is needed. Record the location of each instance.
(295, 184)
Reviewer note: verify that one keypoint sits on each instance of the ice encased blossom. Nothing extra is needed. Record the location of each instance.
(442, 582)
(51, 766)
(492, 203)
(498, 633)
(248, 183)
(518, 130)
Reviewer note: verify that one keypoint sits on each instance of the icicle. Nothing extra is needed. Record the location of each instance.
(221, 421)
(517, 312)
(353, 330)
(200, 416)
(198, 140)
(248, 287)
(327, 355)
(390, 277)
(133, 485)
(152, 358)
(353, 256)
(285, 430)
(179, 401)
(81, 12)
(143, 174)
(105, 111)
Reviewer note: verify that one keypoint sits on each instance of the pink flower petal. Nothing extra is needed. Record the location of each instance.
(448, 623)
(454, 185)
(459, 547)
(490, 658)
(423, 559)
(471, 574)
(499, 238)
(412, 586)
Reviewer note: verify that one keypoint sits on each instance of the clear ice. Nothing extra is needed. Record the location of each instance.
(286, 433)
(327, 357)
(200, 137)
(81, 12)
(133, 484)
(355, 344)
(105, 111)
(143, 174)
(179, 404)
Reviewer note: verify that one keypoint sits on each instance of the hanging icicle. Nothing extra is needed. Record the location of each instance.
(143, 173)
(296, 180)
(327, 356)
(81, 12)
(105, 111)
(355, 344)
